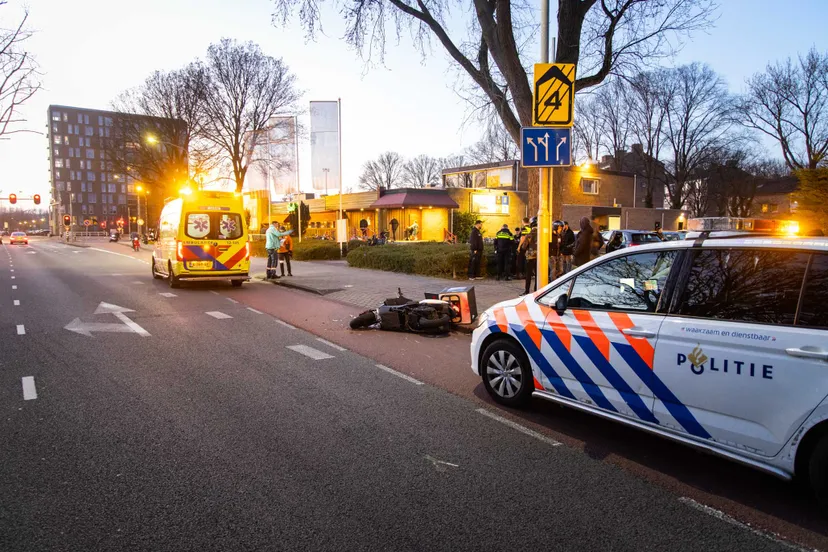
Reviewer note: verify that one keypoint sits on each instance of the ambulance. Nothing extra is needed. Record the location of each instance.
(719, 342)
(202, 237)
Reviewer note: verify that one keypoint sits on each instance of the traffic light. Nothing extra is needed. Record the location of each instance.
(12, 198)
(67, 220)
(37, 199)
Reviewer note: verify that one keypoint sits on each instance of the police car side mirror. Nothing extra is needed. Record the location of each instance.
(561, 303)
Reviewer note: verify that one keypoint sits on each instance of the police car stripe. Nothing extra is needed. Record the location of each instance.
(643, 347)
(630, 397)
(577, 371)
(535, 354)
(557, 325)
(674, 406)
(596, 336)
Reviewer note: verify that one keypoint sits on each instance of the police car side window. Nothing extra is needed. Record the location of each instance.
(813, 312)
(629, 283)
(744, 285)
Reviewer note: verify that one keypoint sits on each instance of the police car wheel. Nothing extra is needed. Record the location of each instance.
(818, 471)
(507, 374)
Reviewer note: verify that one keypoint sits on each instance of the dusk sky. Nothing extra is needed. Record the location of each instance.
(91, 50)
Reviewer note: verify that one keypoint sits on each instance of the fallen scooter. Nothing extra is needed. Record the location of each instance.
(398, 314)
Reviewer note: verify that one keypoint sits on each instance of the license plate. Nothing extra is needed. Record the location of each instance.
(200, 265)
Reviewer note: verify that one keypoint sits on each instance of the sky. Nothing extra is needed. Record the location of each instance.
(91, 50)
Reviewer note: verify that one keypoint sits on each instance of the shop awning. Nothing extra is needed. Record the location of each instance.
(398, 199)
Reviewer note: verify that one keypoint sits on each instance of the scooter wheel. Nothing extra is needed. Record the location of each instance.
(365, 319)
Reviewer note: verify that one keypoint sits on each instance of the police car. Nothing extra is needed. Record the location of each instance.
(719, 343)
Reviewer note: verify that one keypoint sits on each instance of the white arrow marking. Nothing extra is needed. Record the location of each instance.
(531, 142)
(127, 325)
(132, 325)
(558, 149)
(104, 308)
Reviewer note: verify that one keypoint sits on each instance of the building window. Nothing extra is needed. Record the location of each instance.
(121, 199)
(72, 175)
(77, 153)
(103, 198)
(56, 116)
(88, 143)
(590, 186)
(113, 209)
(90, 154)
(54, 128)
(80, 117)
(103, 188)
(112, 188)
(58, 163)
(68, 186)
(71, 152)
(89, 131)
(57, 174)
(100, 120)
(57, 152)
(86, 119)
(83, 186)
(80, 141)
(61, 187)
(77, 130)
(108, 122)
(123, 190)
(65, 117)
(92, 198)
(774, 208)
(765, 207)
(100, 132)
(90, 176)
(66, 140)
(83, 209)
(56, 140)
(107, 132)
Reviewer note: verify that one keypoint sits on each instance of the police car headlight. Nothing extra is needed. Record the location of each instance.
(482, 319)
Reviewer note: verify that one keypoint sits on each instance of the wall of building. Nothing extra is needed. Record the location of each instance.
(613, 188)
(782, 203)
(645, 219)
(517, 203)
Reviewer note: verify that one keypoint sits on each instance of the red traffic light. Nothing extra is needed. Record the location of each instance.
(67, 220)
(103, 224)
(37, 199)
(12, 198)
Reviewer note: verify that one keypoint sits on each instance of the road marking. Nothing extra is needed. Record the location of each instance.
(17, 302)
(82, 252)
(718, 514)
(126, 325)
(332, 345)
(214, 292)
(29, 390)
(315, 354)
(13, 277)
(116, 274)
(21, 329)
(517, 426)
(232, 300)
(14, 287)
(285, 324)
(440, 465)
(251, 309)
(218, 314)
(167, 294)
(406, 377)
(12, 270)
(137, 283)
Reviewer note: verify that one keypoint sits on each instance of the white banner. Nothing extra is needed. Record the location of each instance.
(273, 158)
(324, 123)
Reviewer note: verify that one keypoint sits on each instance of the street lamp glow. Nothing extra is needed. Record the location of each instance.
(139, 188)
(185, 191)
(151, 139)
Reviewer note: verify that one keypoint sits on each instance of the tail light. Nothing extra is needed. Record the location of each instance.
(179, 251)
(246, 251)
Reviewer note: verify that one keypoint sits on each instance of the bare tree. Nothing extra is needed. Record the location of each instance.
(613, 117)
(587, 132)
(496, 145)
(698, 117)
(422, 171)
(601, 37)
(245, 88)
(20, 79)
(646, 124)
(789, 103)
(384, 172)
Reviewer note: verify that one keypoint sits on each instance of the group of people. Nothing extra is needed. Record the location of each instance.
(279, 246)
(517, 252)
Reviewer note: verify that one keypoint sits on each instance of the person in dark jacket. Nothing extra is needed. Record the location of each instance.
(515, 247)
(583, 245)
(529, 248)
(567, 247)
(475, 251)
(615, 243)
(503, 243)
(521, 257)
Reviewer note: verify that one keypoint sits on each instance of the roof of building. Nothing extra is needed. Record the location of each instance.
(479, 167)
(414, 197)
(784, 185)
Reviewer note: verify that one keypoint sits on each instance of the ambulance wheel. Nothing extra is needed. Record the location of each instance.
(507, 374)
(236, 283)
(818, 471)
(154, 272)
(171, 278)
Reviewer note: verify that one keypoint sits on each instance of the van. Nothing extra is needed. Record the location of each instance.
(202, 237)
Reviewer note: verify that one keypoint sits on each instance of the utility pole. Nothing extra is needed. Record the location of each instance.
(542, 276)
(296, 171)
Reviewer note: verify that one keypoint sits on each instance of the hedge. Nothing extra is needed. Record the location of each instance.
(428, 259)
(306, 250)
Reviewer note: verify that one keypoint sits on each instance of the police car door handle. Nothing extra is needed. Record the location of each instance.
(808, 352)
(638, 332)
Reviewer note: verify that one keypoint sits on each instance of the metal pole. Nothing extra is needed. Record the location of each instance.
(269, 199)
(339, 139)
(542, 273)
(296, 172)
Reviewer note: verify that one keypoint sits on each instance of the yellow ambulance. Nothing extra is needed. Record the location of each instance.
(202, 236)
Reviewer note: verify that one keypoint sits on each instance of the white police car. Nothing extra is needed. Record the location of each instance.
(717, 343)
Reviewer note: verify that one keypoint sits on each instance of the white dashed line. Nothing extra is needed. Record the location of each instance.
(232, 300)
(168, 294)
(251, 309)
(13, 277)
(137, 283)
(14, 287)
(214, 292)
(21, 329)
(218, 314)
(736, 523)
(285, 324)
(406, 377)
(331, 345)
(517, 426)
(17, 302)
(29, 390)
(310, 352)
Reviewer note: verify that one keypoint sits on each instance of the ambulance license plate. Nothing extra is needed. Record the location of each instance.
(200, 265)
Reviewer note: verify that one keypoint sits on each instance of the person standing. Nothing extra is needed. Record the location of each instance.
(583, 245)
(285, 253)
(521, 259)
(615, 242)
(567, 247)
(504, 240)
(475, 251)
(529, 247)
(658, 231)
(597, 238)
(272, 245)
(515, 247)
(555, 251)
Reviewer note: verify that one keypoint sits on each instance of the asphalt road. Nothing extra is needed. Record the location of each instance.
(206, 423)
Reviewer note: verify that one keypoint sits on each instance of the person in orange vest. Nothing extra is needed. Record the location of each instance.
(285, 253)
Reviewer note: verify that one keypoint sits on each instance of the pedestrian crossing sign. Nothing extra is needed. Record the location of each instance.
(553, 94)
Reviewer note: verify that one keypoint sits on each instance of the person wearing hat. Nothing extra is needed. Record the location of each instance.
(515, 246)
(504, 240)
(475, 251)
(529, 248)
(567, 247)
(521, 256)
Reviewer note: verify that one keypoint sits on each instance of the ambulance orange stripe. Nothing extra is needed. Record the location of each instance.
(641, 346)
(593, 331)
(557, 326)
(502, 322)
(528, 324)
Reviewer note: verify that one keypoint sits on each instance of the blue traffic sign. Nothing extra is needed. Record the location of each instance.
(545, 147)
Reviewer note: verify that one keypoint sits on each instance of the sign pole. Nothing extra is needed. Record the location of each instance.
(542, 274)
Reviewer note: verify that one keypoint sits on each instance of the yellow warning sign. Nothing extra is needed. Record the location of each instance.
(553, 94)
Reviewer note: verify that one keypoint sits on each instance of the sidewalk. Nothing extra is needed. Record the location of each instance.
(369, 288)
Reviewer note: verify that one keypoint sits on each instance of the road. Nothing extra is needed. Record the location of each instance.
(211, 420)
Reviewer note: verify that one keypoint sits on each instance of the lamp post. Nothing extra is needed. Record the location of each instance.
(141, 191)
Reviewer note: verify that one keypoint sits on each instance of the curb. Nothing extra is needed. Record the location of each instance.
(76, 244)
(294, 285)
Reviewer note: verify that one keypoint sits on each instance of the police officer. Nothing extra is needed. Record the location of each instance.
(504, 241)
(521, 256)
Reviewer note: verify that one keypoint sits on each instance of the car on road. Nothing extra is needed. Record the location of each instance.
(674, 236)
(19, 237)
(631, 238)
(720, 343)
